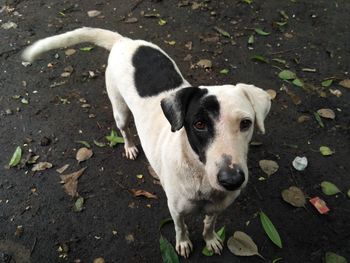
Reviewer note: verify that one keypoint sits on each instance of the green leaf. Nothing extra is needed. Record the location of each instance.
(251, 40)
(164, 222)
(85, 143)
(270, 229)
(167, 251)
(260, 58)
(329, 188)
(224, 71)
(281, 23)
(287, 75)
(326, 83)
(326, 151)
(16, 157)
(162, 22)
(318, 119)
(114, 139)
(249, 2)
(298, 82)
(78, 205)
(222, 234)
(348, 193)
(86, 49)
(222, 32)
(99, 144)
(331, 257)
(261, 32)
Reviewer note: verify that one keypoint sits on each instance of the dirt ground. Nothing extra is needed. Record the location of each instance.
(46, 113)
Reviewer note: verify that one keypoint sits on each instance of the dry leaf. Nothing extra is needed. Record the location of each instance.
(131, 20)
(152, 172)
(70, 182)
(345, 83)
(62, 169)
(139, 192)
(99, 260)
(336, 92)
(326, 113)
(240, 244)
(70, 52)
(268, 166)
(65, 74)
(41, 166)
(294, 196)
(204, 63)
(93, 13)
(272, 93)
(303, 118)
(83, 154)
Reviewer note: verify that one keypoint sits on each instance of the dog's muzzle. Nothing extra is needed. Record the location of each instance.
(231, 178)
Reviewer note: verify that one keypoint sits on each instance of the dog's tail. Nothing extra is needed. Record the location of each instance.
(100, 37)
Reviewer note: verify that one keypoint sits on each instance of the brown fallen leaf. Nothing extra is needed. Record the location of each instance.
(70, 52)
(131, 20)
(336, 92)
(83, 154)
(303, 118)
(140, 192)
(345, 83)
(70, 182)
(41, 166)
(272, 93)
(326, 113)
(152, 172)
(62, 169)
(240, 244)
(294, 196)
(268, 166)
(295, 98)
(204, 63)
(93, 13)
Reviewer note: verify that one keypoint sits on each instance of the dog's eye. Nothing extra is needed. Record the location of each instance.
(200, 125)
(245, 124)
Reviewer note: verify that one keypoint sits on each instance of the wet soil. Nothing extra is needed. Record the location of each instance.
(114, 224)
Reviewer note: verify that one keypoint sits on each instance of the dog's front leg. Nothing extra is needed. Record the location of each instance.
(183, 243)
(212, 240)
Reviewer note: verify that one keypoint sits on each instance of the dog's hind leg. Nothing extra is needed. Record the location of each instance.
(122, 117)
(212, 240)
(183, 243)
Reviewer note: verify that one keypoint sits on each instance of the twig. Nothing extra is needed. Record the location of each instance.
(33, 246)
(283, 51)
(120, 185)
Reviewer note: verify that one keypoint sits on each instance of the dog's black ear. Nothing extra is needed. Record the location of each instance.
(175, 106)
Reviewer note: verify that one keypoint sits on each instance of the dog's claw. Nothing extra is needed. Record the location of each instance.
(131, 152)
(184, 248)
(214, 244)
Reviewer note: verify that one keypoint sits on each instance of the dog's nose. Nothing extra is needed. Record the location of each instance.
(231, 178)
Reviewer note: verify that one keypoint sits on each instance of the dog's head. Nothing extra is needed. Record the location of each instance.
(219, 123)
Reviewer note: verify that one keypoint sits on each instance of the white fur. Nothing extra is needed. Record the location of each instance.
(188, 183)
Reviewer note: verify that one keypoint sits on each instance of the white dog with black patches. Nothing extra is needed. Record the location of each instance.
(195, 138)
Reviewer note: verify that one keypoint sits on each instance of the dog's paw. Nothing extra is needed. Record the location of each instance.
(184, 248)
(214, 244)
(131, 152)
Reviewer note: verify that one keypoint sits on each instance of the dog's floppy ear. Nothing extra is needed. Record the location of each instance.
(260, 101)
(175, 105)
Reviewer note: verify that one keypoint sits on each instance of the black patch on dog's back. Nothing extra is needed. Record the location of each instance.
(207, 110)
(154, 72)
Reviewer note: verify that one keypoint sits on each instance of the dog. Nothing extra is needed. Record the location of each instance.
(195, 138)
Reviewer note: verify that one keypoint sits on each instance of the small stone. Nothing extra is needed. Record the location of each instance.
(8, 112)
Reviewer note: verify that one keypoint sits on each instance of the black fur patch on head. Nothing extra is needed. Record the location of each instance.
(154, 72)
(205, 110)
